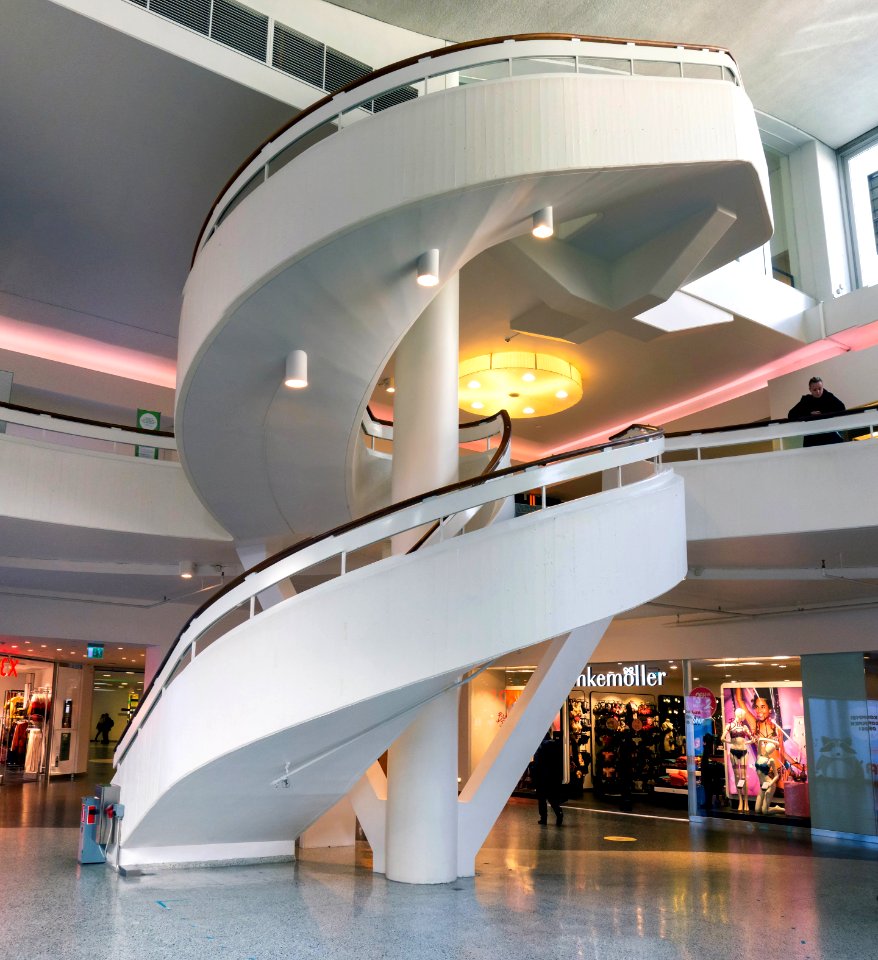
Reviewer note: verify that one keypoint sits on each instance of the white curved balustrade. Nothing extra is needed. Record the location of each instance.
(443, 507)
(107, 438)
(461, 64)
(778, 433)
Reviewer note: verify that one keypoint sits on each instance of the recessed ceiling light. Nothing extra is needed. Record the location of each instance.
(43, 646)
(528, 410)
(528, 377)
(477, 405)
(561, 394)
(474, 385)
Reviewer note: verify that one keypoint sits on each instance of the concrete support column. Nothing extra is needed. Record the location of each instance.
(425, 412)
(422, 796)
(422, 764)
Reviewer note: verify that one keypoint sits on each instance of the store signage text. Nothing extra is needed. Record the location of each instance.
(635, 675)
(8, 667)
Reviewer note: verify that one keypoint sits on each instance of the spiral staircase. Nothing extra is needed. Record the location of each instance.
(650, 154)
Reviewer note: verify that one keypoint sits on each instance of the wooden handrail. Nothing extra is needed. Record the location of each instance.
(431, 55)
(850, 411)
(85, 420)
(377, 515)
(499, 453)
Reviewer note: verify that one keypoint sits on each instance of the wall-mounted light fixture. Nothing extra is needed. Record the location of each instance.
(543, 223)
(428, 268)
(296, 371)
(187, 569)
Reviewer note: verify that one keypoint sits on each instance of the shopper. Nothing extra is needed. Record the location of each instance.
(104, 726)
(547, 774)
(817, 402)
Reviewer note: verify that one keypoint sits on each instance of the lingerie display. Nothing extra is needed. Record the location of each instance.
(579, 720)
(764, 766)
(672, 723)
(626, 738)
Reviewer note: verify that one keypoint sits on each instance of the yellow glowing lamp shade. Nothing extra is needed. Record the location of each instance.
(528, 385)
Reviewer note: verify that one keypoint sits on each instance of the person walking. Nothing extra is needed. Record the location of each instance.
(104, 725)
(547, 774)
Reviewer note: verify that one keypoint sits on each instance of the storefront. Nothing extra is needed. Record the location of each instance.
(721, 738)
(45, 707)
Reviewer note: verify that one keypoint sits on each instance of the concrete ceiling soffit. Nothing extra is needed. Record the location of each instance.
(583, 294)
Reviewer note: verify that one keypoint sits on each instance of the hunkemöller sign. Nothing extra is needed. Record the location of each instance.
(633, 675)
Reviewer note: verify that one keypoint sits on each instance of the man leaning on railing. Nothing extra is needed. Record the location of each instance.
(818, 402)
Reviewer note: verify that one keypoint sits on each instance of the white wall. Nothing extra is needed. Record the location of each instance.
(53, 484)
(852, 377)
(791, 634)
(819, 222)
(782, 492)
(367, 40)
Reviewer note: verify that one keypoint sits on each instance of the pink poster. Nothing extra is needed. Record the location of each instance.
(771, 712)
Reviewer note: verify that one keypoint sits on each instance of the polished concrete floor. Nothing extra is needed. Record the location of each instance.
(579, 891)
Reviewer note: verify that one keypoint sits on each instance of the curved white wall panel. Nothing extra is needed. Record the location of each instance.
(49, 483)
(321, 257)
(346, 659)
(781, 493)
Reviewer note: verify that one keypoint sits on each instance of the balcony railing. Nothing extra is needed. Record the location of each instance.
(365, 541)
(84, 434)
(480, 61)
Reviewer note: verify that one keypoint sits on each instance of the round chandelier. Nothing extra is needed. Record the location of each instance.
(528, 385)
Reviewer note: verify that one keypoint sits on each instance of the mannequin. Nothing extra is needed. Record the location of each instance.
(738, 737)
(768, 771)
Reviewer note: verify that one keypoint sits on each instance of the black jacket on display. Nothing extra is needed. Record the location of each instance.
(809, 408)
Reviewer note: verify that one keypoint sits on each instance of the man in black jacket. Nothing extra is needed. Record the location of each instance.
(817, 403)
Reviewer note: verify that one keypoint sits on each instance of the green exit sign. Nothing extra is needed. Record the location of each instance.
(95, 651)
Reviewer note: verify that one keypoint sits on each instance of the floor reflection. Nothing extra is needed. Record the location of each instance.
(675, 892)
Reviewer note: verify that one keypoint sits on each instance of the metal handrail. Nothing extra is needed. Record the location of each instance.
(767, 430)
(84, 427)
(417, 511)
(345, 105)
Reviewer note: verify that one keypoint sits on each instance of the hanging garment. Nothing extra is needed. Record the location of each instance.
(34, 753)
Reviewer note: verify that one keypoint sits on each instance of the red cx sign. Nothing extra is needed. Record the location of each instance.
(8, 667)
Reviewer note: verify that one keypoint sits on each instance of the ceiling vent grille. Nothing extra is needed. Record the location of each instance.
(240, 28)
(298, 55)
(394, 97)
(194, 14)
(342, 70)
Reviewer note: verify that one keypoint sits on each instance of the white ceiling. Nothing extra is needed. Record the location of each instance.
(810, 63)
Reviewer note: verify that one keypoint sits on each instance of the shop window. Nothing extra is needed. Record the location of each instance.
(860, 164)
